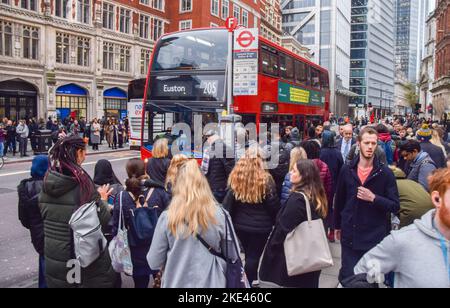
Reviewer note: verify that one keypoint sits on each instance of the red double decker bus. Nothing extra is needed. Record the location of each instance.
(187, 77)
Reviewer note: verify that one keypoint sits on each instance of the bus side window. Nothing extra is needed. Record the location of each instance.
(287, 67)
(269, 63)
(301, 73)
(315, 78)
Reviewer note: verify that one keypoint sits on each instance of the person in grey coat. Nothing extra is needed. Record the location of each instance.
(416, 254)
(419, 163)
(176, 246)
(23, 132)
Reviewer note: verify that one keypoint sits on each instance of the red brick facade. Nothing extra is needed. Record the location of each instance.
(207, 13)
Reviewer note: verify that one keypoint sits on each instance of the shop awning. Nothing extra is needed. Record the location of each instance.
(115, 92)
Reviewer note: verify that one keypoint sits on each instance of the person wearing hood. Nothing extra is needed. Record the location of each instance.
(417, 254)
(140, 192)
(294, 140)
(420, 164)
(386, 144)
(424, 136)
(29, 212)
(414, 199)
(104, 175)
(67, 187)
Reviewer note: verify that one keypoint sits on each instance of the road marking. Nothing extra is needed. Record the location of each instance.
(85, 164)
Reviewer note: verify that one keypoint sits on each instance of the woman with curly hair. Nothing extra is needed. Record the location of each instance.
(253, 204)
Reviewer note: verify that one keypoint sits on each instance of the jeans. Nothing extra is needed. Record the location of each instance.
(141, 282)
(23, 143)
(2, 148)
(253, 245)
(42, 282)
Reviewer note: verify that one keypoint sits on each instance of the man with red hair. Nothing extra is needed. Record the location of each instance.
(418, 255)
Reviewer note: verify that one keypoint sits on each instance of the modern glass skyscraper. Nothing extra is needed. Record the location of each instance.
(409, 28)
(324, 26)
(372, 53)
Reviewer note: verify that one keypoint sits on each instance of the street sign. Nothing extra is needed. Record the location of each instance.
(231, 24)
(245, 62)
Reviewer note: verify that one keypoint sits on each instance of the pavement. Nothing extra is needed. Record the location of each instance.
(103, 149)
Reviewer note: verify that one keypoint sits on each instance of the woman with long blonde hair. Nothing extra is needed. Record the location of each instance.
(253, 204)
(192, 212)
(437, 141)
(172, 172)
(306, 180)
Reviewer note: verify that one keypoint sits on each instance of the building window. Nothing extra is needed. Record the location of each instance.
(108, 56)
(215, 7)
(62, 48)
(124, 20)
(5, 1)
(185, 25)
(145, 61)
(144, 22)
(30, 43)
(146, 2)
(83, 51)
(124, 60)
(237, 12)
(116, 57)
(158, 4)
(157, 29)
(185, 6)
(61, 8)
(27, 4)
(245, 18)
(108, 16)
(5, 39)
(225, 9)
(84, 8)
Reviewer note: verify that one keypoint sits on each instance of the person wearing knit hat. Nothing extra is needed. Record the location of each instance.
(39, 166)
(424, 136)
(29, 212)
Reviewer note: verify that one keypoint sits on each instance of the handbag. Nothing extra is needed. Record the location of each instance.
(119, 249)
(306, 247)
(235, 273)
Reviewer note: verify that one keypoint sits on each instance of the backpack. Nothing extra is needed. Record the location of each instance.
(387, 148)
(88, 240)
(25, 203)
(143, 221)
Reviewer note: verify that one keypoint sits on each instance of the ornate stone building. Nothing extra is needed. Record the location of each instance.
(441, 85)
(74, 57)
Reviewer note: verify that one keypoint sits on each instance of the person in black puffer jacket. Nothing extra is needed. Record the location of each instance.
(253, 204)
(29, 212)
(158, 165)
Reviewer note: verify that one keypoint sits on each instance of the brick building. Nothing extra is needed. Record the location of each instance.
(441, 85)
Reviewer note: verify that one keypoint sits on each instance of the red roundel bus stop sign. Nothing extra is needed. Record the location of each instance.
(245, 39)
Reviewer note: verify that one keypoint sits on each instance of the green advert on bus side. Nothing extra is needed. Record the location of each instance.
(288, 93)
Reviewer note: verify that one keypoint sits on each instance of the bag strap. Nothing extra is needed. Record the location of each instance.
(210, 249)
(308, 207)
(233, 238)
(146, 199)
(121, 227)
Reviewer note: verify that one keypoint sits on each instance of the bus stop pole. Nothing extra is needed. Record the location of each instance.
(230, 73)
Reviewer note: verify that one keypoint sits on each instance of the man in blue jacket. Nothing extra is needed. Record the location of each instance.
(366, 195)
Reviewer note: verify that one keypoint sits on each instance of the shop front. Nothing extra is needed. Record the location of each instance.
(115, 103)
(18, 100)
(71, 102)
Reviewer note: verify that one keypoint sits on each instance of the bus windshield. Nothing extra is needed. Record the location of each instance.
(194, 50)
